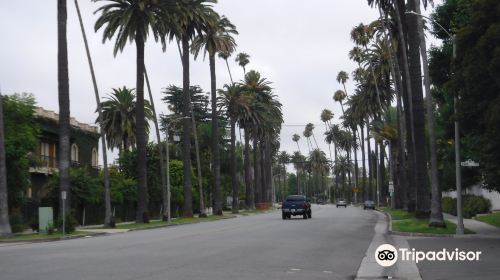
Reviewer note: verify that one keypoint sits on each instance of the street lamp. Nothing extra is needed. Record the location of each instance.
(458, 175)
(169, 217)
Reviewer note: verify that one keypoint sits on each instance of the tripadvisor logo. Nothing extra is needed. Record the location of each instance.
(387, 255)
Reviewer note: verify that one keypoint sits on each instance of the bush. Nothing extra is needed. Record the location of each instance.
(472, 205)
(50, 229)
(16, 222)
(70, 223)
(449, 205)
(475, 205)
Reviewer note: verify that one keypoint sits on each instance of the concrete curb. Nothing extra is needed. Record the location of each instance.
(173, 225)
(52, 239)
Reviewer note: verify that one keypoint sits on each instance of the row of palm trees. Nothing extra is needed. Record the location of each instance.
(388, 52)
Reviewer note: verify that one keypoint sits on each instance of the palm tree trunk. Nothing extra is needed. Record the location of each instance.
(234, 182)
(186, 133)
(256, 170)
(140, 135)
(160, 152)
(107, 195)
(215, 138)
(365, 191)
(409, 197)
(268, 166)
(370, 167)
(383, 186)
(263, 172)
(5, 229)
(436, 216)
(355, 149)
(421, 175)
(249, 192)
(229, 70)
(64, 107)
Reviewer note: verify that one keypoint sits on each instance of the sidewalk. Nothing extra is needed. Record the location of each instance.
(476, 226)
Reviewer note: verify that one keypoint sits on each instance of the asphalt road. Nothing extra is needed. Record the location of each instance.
(331, 245)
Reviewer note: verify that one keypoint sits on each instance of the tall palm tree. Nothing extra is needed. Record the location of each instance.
(243, 59)
(237, 104)
(216, 38)
(132, 20)
(298, 163)
(191, 18)
(342, 78)
(107, 193)
(283, 160)
(225, 56)
(339, 96)
(119, 118)
(296, 138)
(5, 229)
(64, 108)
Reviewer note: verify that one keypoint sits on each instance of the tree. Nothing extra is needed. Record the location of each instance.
(5, 229)
(217, 38)
(237, 105)
(119, 122)
(339, 96)
(243, 59)
(191, 17)
(296, 138)
(131, 20)
(63, 97)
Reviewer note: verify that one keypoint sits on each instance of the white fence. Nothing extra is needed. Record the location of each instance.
(493, 196)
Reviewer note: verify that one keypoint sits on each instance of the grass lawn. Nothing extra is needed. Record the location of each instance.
(492, 219)
(176, 221)
(37, 236)
(403, 221)
(397, 214)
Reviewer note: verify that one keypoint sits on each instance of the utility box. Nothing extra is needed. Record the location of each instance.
(45, 218)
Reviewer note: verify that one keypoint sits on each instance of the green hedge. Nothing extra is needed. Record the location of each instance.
(472, 205)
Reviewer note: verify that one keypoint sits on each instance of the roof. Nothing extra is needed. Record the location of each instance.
(51, 115)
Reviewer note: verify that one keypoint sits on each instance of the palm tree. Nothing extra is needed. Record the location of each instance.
(119, 118)
(131, 20)
(5, 229)
(296, 138)
(340, 96)
(107, 194)
(225, 56)
(298, 163)
(216, 38)
(237, 105)
(243, 59)
(191, 18)
(64, 108)
(342, 78)
(283, 160)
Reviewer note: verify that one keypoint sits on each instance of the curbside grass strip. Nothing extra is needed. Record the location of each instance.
(411, 234)
(39, 240)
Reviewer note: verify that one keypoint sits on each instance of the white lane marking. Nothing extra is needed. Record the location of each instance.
(295, 269)
(327, 271)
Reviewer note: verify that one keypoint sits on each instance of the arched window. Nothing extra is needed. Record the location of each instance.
(95, 158)
(74, 153)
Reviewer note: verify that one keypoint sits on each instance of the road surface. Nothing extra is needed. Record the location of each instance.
(331, 245)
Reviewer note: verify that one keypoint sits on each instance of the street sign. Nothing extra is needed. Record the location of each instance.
(469, 163)
(391, 186)
(63, 195)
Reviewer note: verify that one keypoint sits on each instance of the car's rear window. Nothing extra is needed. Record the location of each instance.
(295, 198)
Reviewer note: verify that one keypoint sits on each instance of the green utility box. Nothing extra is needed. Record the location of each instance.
(45, 218)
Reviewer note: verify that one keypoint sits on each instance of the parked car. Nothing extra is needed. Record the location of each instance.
(295, 205)
(369, 204)
(341, 203)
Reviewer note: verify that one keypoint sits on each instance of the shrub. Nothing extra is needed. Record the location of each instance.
(50, 229)
(472, 205)
(449, 205)
(70, 223)
(16, 222)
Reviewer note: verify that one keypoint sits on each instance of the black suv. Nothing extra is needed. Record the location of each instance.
(295, 205)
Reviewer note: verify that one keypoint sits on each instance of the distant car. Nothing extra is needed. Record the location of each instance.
(341, 203)
(295, 205)
(369, 204)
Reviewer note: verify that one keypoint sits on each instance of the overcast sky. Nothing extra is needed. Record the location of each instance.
(298, 45)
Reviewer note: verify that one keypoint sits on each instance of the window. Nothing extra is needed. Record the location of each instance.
(45, 154)
(74, 153)
(95, 158)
